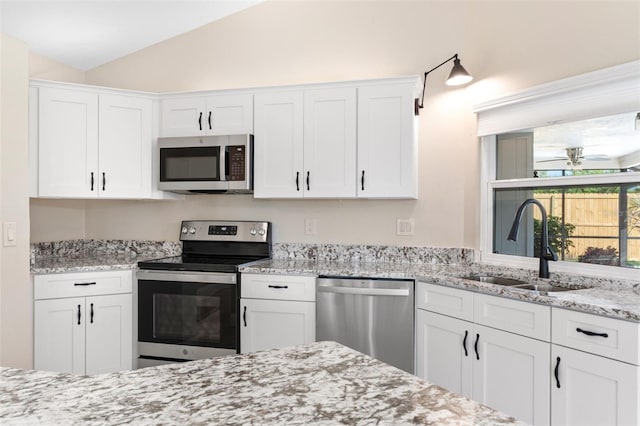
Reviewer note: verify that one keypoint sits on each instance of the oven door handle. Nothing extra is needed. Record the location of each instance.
(187, 276)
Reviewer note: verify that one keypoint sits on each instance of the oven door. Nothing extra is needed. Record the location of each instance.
(186, 315)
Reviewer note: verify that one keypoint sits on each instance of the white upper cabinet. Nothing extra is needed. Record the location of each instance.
(91, 144)
(330, 143)
(68, 143)
(124, 147)
(337, 141)
(214, 115)
(387, 142)
(278, 150)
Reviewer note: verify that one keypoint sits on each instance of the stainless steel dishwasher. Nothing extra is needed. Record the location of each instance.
(372, 316)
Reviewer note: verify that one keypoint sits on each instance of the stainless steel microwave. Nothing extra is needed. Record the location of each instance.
(206, 164)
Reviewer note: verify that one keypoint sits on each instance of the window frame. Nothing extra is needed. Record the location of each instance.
(609, 91)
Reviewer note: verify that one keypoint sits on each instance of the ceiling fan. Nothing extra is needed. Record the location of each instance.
(574, 157)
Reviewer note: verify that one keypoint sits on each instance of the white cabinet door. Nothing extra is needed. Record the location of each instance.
(387, 142)
(68, 143)
(229, 114)
(214, 115)
(109, 329)
(278, 145)
(511, 374)
(125, 147)
(59, 337)
(592, 390)
(270, 324)
(183, 117)
(330, 143)
(444, 351)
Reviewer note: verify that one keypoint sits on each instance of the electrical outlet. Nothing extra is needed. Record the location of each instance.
(310, 227)
(405, 226)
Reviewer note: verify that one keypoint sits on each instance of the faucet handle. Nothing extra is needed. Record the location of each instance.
(549, 254)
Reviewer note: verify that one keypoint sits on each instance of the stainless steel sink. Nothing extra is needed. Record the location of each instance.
(495, 280)
(542, 288)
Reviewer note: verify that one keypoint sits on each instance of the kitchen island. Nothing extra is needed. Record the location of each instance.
(319, 383)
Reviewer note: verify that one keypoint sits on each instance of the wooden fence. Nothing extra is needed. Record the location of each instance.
(593, 215)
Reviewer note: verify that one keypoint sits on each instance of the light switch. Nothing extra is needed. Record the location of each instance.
(405, 226)
(310, 227)
(9, 234)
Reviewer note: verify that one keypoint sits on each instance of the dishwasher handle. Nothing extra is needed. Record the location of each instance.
(366, 291)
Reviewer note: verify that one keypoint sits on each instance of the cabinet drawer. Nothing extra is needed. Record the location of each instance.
(78, 284)
(615, 338)
(280, 287)
(445, 300)
(527, 319)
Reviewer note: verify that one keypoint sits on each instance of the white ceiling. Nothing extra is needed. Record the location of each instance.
(86, 34)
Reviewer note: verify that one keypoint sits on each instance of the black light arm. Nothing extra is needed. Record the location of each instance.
(457, 77)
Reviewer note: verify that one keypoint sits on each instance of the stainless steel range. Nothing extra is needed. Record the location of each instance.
(188, 304)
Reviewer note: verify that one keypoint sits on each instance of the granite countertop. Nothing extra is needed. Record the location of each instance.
(318, 383)
(591, 295)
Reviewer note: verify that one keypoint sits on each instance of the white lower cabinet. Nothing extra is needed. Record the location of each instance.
(596, 370)
(88, 334)
(592, 390)
(481, 347)
(269, 324)
(276, 311)
(502, 370)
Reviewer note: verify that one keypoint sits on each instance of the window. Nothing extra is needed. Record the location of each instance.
(583, 166)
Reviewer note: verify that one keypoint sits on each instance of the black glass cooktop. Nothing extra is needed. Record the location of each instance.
(197, 263)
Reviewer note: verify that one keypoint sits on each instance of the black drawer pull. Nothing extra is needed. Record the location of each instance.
(464, 342)
(91, 283)
(297, 181)
(200, 121)
(591, 333)
(91, 313)
(92, 181)
(104, 180)
(555, 372)
(79, 314)
(278, 286)
(308, 181)
(362, 180)
(244, 316)
(210, 128)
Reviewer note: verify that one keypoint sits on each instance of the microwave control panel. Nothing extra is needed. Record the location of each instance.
(237, 162)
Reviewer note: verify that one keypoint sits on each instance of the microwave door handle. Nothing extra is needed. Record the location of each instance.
(224, 162)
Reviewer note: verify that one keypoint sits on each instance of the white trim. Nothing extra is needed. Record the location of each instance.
(604, 92)
(587, 269)
(613, 178)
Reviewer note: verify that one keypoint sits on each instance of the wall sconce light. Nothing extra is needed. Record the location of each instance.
(457, 77)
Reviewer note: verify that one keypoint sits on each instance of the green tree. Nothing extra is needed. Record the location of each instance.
(558, 235)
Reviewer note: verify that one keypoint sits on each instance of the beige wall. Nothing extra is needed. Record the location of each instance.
(15, 287)
(506, 45)
(42, 68)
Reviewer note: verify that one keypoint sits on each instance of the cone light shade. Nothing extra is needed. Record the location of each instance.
(458, 75)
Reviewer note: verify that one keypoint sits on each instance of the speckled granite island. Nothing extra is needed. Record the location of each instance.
(319, 383)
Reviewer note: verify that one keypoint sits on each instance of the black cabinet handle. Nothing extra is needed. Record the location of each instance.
(555, 372)
(79, 314)
(297, 181)
(278, 286)
(308, 180)
(476, 346)
(362, 180)
(90, 283)
(92, 181)
(210, 120)
(591, 333)
(464, 342)
(104, 180)
(244, 316)
(200, 121)
(91, 314)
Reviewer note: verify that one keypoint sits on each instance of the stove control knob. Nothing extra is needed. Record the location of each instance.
(184, 230)
(253, 231)
(192, 230)
(262, 231)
